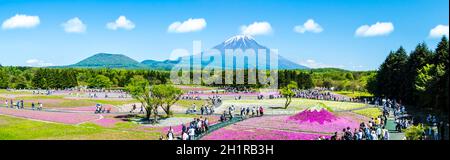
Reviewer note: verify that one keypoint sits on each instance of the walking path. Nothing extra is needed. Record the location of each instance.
(390, 125)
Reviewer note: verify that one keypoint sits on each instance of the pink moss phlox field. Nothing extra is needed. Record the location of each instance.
(60, 117)
(284, 128)
(244, 133)
(234, 94)
(106, 122)
(88, 109)
(320, 116)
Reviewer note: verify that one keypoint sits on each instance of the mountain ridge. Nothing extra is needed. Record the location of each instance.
(109, 60)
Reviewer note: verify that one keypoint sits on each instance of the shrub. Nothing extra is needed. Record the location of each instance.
(415, 132)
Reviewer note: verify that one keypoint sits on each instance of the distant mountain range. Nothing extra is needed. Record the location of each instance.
(107, 60)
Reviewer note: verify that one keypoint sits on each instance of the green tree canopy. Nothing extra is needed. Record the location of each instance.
(165, 96)
(288, 93)
(100, 81)
(139, 89)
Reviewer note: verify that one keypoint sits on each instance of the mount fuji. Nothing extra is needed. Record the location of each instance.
(243, 42)
(236, 47)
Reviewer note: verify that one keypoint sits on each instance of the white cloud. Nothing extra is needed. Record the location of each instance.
(190, 25)
(21, 21)
(377, 29)
(313, 64)
(257, 28)
(37, 63)
(74, 25)
(121, 22)
(439, 31)
(308, 26)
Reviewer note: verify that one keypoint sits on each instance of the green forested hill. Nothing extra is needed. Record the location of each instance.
(106, 60)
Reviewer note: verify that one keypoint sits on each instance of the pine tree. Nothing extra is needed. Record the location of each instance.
(441, 90)
(420, 57)
(391, 75)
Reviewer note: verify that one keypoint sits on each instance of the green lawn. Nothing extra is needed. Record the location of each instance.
(61, 102)
(297, 104)
(354, 94)
(369, 112)
(113, 102)
(4, 91)
(188, 103)
(21, 129)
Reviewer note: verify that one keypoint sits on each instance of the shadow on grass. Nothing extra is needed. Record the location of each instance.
(140, 119)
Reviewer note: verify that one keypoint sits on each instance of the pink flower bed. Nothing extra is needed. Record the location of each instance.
(88, 109)
(106, 122)
(320, 116)
(91, 109)
(297, 127)
(234, 94)
(245, 133)
(283, 122)
(60, 117)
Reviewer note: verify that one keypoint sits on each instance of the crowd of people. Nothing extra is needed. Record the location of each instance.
(191, 97)
(189, 132)
(216, 100)
(205, 109)
(253, 111)
(97, 93)
(373, 130)
(19, 104)
(245, 112)
(100, 109)
(322, 94)
(436, 130)
(42, 92)
(236, 90)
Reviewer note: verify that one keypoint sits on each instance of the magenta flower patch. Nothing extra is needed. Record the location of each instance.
(245, 133)
(320, 116)
(106, 122)
(307, 125)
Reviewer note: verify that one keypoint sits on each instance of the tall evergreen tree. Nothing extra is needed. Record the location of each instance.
(420, 57)
(391, 75)
(442, 89)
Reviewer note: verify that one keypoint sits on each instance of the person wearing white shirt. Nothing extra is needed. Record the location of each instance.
(191, 133)
(185, 136)
(170, 136)
(374, 135)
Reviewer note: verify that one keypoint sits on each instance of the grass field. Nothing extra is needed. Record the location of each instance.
(17, 128)
(113, 102)
(354, 94)
(297, 103)
(4, 91)
(369, 112)
(189, 103)
(53, 101)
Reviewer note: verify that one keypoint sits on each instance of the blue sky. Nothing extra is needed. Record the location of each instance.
(329, 41)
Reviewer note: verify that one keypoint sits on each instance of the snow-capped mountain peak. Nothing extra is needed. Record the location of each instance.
(237, 38)
(239, 41)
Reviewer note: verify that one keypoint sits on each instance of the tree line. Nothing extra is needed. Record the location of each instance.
(419, 79)
(61, 78)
